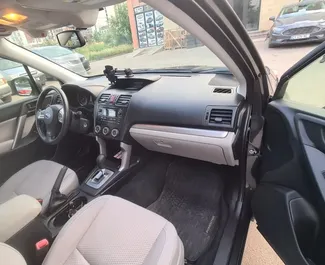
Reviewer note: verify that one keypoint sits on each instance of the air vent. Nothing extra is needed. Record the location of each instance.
(222, 90)
(104, 98)
(221, 116)
(123, 100)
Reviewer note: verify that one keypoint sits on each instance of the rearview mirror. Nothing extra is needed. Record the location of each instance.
(272, 18)
(71, 39)
(23, 86)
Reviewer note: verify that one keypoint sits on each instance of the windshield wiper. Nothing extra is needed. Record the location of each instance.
(177, 70)
(211, 70)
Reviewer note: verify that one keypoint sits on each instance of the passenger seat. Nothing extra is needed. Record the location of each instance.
(110, 230)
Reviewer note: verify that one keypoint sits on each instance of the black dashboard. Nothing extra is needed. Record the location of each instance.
(161, 111)
(197, 101)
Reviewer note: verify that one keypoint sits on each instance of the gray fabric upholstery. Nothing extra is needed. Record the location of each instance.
(37, 180)
(10, 256)
(112, 231)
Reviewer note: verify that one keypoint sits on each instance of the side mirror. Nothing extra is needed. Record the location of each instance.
(23, 86)
(272, 18)
(71, 39)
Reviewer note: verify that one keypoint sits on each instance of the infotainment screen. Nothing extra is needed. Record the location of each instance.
(111, 113)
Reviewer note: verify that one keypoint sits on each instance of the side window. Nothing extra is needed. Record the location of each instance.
(308, 85)
(15, 84)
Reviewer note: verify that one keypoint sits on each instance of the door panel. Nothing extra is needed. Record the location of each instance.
(7, 129)
(296, 222)
(13, 122)
(20, 144)
(289, 200)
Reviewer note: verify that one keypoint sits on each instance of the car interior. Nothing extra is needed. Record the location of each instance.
(140, 142)
(151, 168)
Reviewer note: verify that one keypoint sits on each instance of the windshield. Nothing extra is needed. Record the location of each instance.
(302, 8)
(137, 37)
(7, 64)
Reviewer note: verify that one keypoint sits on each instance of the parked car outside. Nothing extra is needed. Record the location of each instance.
(5, 90)
(68, 59)
(298, 23)
(12, 70)
(84, 61)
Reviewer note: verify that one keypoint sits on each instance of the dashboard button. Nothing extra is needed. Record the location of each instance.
(120, 113)
(105, 130)
(97, 129)
(115, 132)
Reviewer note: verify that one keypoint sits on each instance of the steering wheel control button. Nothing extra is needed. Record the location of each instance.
(105, 130)
(60, 115)
(97, 129)
(115, 132)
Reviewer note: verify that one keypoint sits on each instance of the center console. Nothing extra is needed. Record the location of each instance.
(110, 112)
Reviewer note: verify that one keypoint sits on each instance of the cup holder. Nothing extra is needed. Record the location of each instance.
(69, 211)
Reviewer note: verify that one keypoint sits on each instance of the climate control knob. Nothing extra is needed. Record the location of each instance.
(97, 129)
(105, 130)
(115, 132)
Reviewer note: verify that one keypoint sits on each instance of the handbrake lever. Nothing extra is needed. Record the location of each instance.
(57, 198)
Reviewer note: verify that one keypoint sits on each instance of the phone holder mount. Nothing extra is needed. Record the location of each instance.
(110, 73)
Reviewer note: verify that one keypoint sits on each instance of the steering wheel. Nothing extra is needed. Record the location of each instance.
(53, 122)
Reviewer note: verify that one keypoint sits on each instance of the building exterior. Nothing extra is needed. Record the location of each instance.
(253, 13)
(19, 38)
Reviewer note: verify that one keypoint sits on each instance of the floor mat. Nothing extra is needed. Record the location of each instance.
(147, 185)
(191, 200)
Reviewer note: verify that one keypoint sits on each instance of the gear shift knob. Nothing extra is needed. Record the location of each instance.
(101, 161)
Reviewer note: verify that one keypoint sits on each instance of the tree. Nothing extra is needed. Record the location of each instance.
(119, 26)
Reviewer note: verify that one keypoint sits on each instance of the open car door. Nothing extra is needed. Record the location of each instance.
(289, 201)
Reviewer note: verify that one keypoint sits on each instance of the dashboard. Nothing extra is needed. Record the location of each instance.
(197, 116)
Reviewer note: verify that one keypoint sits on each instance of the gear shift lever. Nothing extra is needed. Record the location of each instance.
(101, 161)
(104, 163)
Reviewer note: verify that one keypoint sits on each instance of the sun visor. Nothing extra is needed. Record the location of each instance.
(38, 23)
(66, 5)
(82, 19)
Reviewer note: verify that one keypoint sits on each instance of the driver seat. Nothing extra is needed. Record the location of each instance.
(37, 180)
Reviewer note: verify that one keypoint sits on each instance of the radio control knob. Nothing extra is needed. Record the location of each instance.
(119, 113)
(105, 130)
(97, 129)
(115, 132)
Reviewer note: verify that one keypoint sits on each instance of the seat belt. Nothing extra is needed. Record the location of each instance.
(253, 150)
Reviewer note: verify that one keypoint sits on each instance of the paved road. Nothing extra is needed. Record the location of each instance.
(257, 250)
(281, 59)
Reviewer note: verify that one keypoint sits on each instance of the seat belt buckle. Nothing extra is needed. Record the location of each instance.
(42, 247)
